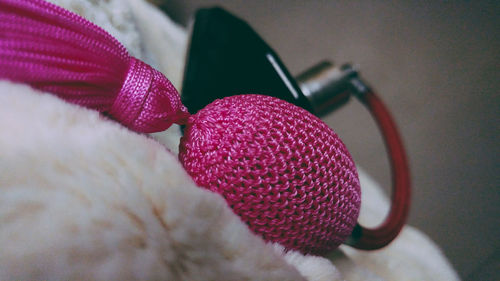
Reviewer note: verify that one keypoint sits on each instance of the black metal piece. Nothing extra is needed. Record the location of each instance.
(226, 57)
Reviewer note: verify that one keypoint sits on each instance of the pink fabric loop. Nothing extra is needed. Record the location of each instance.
(57, 51)
(147, 101)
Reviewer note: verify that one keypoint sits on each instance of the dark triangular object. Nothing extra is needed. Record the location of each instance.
(226, 57)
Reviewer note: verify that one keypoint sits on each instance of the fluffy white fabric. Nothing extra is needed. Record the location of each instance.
(83, 198)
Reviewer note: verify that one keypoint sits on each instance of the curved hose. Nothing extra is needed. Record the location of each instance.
(376, 238)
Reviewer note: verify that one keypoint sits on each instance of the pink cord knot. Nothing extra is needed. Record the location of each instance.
(147, 101)
(57, 51)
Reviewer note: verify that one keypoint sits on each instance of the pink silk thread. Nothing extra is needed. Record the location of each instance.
(60, 52)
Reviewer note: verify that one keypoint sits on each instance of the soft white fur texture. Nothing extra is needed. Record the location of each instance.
(83, 198)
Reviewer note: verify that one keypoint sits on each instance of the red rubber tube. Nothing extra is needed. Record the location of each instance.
(376, 238)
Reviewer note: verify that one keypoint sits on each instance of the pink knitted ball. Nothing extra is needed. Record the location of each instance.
(281, 169)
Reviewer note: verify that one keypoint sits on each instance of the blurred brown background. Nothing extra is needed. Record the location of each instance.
(436, 64)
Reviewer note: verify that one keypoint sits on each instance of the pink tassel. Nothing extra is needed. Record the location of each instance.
(60, 52)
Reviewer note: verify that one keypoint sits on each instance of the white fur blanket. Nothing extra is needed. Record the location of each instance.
(83, 198)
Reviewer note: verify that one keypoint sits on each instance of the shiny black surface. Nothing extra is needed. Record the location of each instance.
(226, 57)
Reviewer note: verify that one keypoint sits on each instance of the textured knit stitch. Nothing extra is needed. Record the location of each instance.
(57, 51)
(280, 168)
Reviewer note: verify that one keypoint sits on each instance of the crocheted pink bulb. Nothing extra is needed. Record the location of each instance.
(280, 168)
